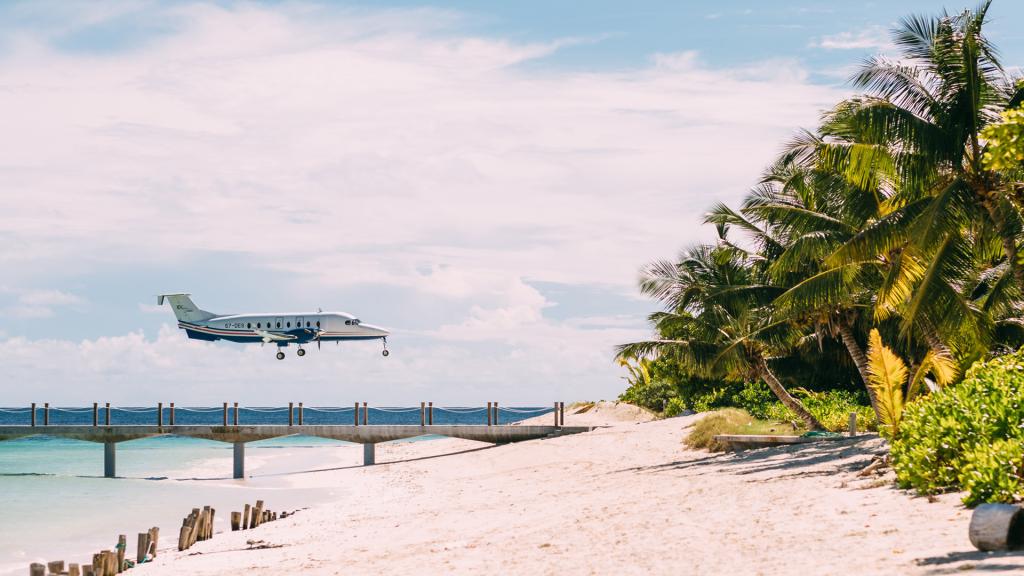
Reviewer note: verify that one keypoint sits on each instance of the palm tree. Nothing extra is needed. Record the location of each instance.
(914, 137)
(714, 297)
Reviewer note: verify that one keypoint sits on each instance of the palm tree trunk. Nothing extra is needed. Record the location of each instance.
(784, 396)
(861, 360)
(1008, 240)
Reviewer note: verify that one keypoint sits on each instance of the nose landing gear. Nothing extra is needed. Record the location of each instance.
(385, 352)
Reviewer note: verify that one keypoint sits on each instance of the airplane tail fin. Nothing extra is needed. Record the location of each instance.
(184, 308)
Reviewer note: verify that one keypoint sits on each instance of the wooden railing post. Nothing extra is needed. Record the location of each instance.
(423, 413)
(430, 413)
(488, 413)
(366, 414)
(561, 413)
(46, 413)
(495, 413)
(235, 414)
(300, 413)
(106, 416)
(95, 413)
(355, 415)
(172, 413)
(291, 413)
(556, 414)
(225, 414)
(33, 414)
(159, 414)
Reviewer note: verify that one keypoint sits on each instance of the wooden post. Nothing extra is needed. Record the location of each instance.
(143, 547)
(245, 518)
(257, 514)
(300, 413)
(853, 423)
(561, 413)
(366, 414)
(74, 570)
(55, 567)
(996, 527)
(355, 415)
(225, 414)
(46, 414)
(87, 570)
(95, 414)
(172, 413)
(154, 540)
(33, 414)
(488, 413)
(291, 413)
(122, 547)
(37, 569)
(556, 414)
(495, 413)
(430, 413)
(159, 414)
(106, 417)
(423, 413)
(235, 414)
(236, 521)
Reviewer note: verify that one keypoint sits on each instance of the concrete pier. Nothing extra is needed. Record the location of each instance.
(367, 435)
(239, 459)
(109, 459)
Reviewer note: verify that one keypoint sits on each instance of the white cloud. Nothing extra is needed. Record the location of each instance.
(41, 303)
(376, 147)
(872, 37)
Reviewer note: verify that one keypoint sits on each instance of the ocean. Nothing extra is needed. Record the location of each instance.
(57, 505)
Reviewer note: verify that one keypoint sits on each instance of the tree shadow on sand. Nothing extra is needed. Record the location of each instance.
(847, 454)
(960, 562)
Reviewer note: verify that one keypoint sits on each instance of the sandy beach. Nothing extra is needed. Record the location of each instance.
(627, 498)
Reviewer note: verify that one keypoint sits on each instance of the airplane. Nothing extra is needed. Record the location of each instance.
(280, 329)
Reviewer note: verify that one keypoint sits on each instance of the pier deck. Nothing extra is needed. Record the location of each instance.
(367, 435)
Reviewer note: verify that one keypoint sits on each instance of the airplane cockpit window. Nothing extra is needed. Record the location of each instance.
(248, 325)
(348, 322)
(258, 325)
(278, 324)
(289, 324)
(317, 323)
(307, 323)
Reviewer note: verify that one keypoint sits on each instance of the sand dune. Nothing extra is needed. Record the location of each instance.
(624, 499)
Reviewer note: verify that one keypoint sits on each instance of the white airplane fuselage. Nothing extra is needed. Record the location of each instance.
(281, 328)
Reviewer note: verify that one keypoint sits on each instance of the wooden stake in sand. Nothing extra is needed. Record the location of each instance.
(245, 518)
(122, 547)
(73, 570)
(55, 567)
(236, 521)
(142, 547)
(154, 538)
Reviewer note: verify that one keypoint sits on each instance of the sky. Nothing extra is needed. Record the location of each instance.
(485, 179)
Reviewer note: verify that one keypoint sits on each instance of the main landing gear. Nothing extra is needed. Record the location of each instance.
(280, 355)
(301, 352)
(385, 352)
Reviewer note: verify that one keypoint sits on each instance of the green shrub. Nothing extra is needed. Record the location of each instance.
(943, 432)
(993, 472)
(675, 407)
(832, 408)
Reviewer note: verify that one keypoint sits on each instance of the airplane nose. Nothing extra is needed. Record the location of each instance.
(374, 330)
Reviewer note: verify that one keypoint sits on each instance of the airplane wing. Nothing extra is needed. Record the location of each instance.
(274, 336)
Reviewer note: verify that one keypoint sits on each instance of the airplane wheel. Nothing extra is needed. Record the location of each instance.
(385, 353)
(280, 355)
(301, 352)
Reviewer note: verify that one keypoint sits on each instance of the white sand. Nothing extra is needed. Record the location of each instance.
(627, 499)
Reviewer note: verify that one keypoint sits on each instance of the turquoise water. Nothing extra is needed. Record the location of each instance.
(57, 505)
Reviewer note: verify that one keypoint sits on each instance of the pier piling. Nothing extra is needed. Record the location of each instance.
(239, 459)
(369, 454)
(109, 459)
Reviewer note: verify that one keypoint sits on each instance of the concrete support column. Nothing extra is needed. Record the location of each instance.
(109, 459)
(239, 459)
(369, 454)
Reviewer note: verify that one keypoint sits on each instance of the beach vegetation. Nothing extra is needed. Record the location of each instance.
(878, 258)
(731, 421)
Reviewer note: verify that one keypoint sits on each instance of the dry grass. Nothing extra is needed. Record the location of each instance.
(731, 421)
